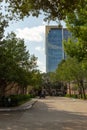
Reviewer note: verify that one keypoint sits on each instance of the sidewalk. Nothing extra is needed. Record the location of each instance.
(22, 107)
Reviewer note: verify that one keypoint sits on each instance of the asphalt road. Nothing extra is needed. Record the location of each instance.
(52, 113)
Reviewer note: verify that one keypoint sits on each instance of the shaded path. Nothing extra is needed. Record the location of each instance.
(48, 114)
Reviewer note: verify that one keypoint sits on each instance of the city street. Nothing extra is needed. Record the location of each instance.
(51, 113)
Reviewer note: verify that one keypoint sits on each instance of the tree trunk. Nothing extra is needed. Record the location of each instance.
(80, 89)
(69, 89)
(83, 89)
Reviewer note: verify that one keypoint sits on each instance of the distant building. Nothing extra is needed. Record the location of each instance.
(54, 47)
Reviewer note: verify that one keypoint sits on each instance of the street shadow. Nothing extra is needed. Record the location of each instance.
(43, 117)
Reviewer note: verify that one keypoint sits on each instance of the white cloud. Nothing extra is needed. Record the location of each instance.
(34, 34)
(45, 23)
(40, 49)
(41, 66)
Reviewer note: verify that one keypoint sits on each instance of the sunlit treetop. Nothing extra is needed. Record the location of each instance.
(53, 9)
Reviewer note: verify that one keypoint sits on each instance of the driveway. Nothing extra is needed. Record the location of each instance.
(52, 113)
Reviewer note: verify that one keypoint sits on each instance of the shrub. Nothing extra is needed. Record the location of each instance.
(14, 100)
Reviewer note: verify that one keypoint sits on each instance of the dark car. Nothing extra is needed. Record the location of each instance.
(60, 93)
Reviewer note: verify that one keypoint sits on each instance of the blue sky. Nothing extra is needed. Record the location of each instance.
(32, 30)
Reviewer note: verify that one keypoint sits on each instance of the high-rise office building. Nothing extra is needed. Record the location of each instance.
(54, 47)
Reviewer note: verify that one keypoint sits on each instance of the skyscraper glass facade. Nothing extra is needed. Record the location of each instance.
(54, 47)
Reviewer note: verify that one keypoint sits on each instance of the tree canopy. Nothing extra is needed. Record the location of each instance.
(13, 51)
(16, 63)
(53, 9)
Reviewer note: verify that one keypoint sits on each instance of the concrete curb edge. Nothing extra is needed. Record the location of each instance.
(20, 108)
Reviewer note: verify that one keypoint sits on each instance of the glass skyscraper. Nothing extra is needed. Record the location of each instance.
(54, 47)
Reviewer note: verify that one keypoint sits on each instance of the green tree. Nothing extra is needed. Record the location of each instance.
(16, 63)
(3, 25)
(72, 70)
(74, 48)
(77, 24)
(53, 9)
(36, 79)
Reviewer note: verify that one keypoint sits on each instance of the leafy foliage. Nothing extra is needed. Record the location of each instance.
(74, 48)
(73, 71)
(53, 9)
(77, 24)
(16, 64)
(3, 24)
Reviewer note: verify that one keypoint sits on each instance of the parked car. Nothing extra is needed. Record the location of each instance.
(59, 93)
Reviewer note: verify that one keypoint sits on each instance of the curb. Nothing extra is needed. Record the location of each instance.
(20, 108)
